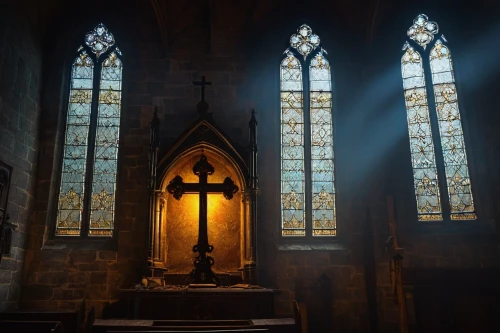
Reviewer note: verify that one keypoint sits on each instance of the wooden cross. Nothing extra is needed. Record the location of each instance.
(202, 273)
(202, 83)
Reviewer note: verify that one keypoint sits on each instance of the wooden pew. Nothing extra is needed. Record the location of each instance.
(297, 316)
(244, 330)
(17, 326)
(275, 325)
(70, 319)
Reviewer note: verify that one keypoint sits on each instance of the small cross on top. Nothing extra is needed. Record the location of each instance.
(202, 83)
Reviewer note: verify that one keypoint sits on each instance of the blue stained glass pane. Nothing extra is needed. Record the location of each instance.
(71, 191)
(292, 148)
(322, 146)
(102, 211)
(425, 176)
(452, 138)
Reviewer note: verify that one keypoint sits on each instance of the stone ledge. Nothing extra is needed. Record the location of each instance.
(78, 243)
(311, 247)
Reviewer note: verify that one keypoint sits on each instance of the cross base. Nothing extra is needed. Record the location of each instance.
(202, 273)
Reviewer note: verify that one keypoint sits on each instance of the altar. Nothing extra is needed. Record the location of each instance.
(199, 304)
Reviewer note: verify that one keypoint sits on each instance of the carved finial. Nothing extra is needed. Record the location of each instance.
(155, 130)
(253, 120)
(203, 166)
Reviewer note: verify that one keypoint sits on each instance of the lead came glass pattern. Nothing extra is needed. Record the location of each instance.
(292, 148)
(450, 130)
(322, 164)
(71, 192)
(106, 148)
(421, 145)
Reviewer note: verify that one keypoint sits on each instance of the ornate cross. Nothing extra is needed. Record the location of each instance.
(202, 83)
(202, 272)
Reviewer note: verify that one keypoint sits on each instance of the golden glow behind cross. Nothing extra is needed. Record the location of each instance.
(223, 219)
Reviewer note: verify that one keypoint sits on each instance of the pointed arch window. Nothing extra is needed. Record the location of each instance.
(307, 145)
(441, 176)
(89, 165)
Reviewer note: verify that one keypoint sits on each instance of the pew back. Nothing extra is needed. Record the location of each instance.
(17, 326)
(197, 330)
(70, 319)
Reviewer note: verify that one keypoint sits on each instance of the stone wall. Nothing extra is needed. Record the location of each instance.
(61, 279)
(328, 284)
(20, 85)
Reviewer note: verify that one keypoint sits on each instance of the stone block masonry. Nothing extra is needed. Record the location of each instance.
(20, 85)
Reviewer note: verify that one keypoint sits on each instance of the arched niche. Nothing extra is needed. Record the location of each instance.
(177, 220)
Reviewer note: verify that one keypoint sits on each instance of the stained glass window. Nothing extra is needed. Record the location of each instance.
(452, 137)
(292, 148)
(87, 196)
(322, 167)
(307, 198)
(448, 124)
(425, 176)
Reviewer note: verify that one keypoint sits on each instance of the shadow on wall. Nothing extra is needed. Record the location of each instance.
(316, 296)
